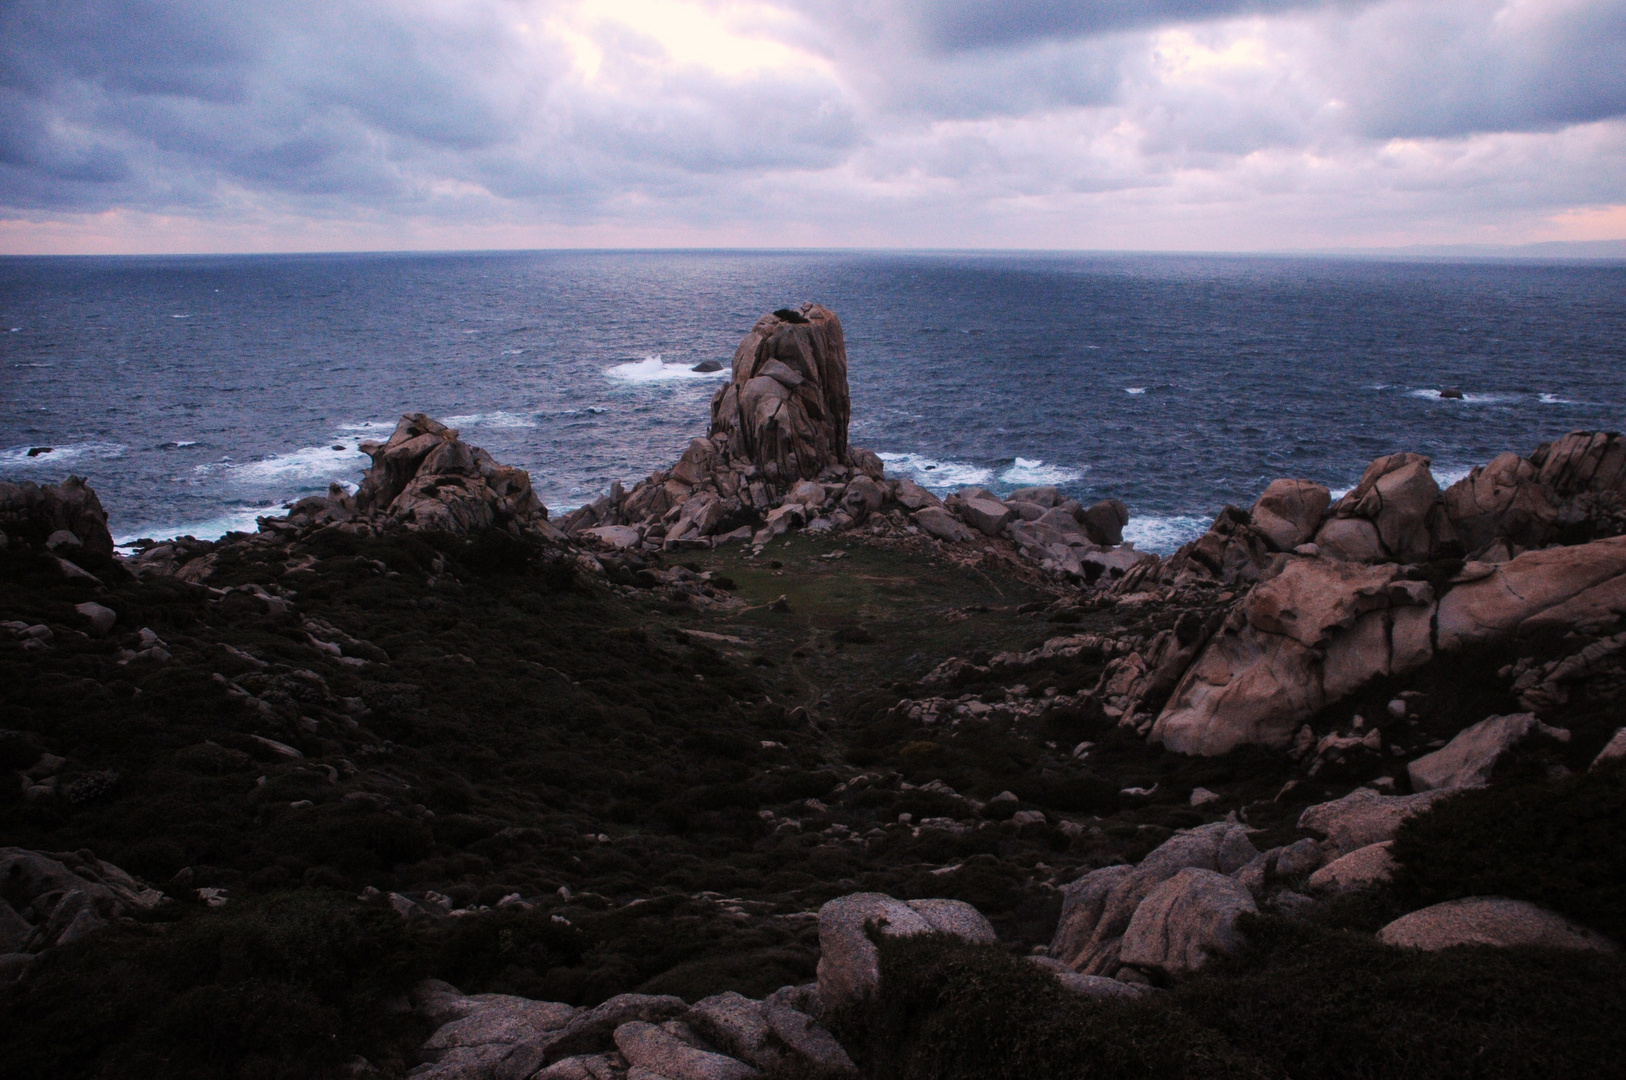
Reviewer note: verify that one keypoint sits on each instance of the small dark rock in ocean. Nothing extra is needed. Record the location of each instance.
(708, 365)
(36, 451)
(1451, 393)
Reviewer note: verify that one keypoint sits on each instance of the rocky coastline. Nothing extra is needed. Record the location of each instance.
(771, 764)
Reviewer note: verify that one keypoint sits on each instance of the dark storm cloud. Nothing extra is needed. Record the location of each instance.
(979, 24)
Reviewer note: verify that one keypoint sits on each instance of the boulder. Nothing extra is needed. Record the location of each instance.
(1044, 497)
(1364, 817)
(911, 496)
(31, 513)
(736, 1024)
(1614, 750)
(1489, 920)
(1504, 499)
(1349, 540)
(958, 918)
(938, 522)
(1185, 920)
(63, 896)
(807, 1040)
(1097, 908)
(589, 1031)
(1316, 631)
(1362, 868)
(1561, 588)
(1104, 522)
(648, 1046)
(100, 618)
(849, 966)
(982, 511)
(1469, 758)
(1290, 511)
(1398, 495)
(786, 406)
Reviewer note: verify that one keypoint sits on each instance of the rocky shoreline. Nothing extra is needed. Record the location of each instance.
(812, 714)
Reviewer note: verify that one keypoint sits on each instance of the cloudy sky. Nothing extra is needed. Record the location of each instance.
(264, 125)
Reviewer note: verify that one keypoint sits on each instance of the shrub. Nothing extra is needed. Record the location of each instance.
(1560, 844)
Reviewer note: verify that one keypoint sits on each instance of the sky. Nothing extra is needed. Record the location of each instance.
(162, 126)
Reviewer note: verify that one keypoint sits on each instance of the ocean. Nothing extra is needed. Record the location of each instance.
(197, 393)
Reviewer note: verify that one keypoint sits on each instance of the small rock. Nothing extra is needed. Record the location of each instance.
(1468, 760)
(101, 618)
(1201, 796)
(1615, 750)
(1185, 920)
(1362, 868)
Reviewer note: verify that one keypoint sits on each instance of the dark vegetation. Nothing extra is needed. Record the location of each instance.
(1303, 1001)
(674, 807)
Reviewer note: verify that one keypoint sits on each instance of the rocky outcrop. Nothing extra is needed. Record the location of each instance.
(785, 408)
(724, 1037)
(1489, 920)
(1316, 631)
(1394, 514)
(54, 898)
(1098, 908)
(59, 517)
(1470, 757)
(1184, 921)
(1570, 490)
(426, 477)
(1290, 511)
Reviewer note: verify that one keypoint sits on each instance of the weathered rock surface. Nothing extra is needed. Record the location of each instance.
(651, 1047)
(849, 966)
(1489, 920)
(1317, 630)
(426, 477)
(1363, 868)
(1290, 511)
(1559, 588)
(32, 514)
(1573, 489)
(1185, 920)
(1614, 750)
(54, 898)
(1365, 817)
(1098, 907)
(1469, 758)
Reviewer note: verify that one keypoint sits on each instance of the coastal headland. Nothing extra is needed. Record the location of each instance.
(772, 764)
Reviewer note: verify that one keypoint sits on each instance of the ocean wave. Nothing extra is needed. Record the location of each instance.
(1446, 475)
(1032, 473)
(1164, 535)
(230, 519)
(1134, 389)
(1554, 399)
(932, 473)
(310, 466)
(369, 427)
(654, 369)
(1433, 394)
(500, 419)
(16, 457)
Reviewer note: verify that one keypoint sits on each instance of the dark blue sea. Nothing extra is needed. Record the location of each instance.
(196, 393)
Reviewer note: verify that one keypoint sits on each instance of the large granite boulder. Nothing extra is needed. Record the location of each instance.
(849, 964)
(1316, 631)
(1290, 511)
(1469, 758)
(1398, 497)
(785, 408)
(425, 477)
(1561, 588)
(1097, 908)
(1572, 489)
(1489, 920)
(35, 515)
(1364, 817)
(1185, 920)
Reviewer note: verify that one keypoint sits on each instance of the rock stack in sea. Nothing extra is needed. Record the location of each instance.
(776, 458)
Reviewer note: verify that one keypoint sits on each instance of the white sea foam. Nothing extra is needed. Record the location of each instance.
(1134, 389)
(654, 369)
(1032, 473)
(310, 466)
(1432, 394)
(230, 519)
(932, 473)
(1554, 399)
(16, 457)
(499, 419)
(1446, 475)
(1164, 535)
